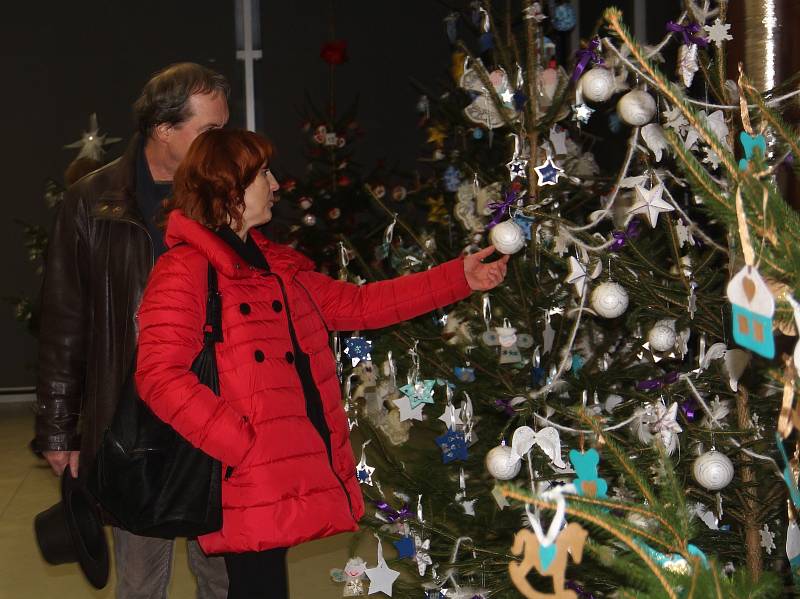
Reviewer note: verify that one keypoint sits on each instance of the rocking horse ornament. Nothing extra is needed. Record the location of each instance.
(548, 554)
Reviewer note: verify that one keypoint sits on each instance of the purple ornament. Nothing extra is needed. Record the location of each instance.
(587, 55)
(689, 33)
(689, 409)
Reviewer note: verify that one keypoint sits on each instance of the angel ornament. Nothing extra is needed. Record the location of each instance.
(483, 109)
(353, 576)
(509, 342)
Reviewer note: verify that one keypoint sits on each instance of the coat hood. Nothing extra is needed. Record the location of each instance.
(282, 259)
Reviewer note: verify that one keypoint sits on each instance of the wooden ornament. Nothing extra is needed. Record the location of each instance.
(548, 560)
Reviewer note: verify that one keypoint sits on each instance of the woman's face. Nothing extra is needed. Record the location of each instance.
(259, 198)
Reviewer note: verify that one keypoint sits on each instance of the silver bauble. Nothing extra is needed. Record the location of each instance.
(662, 337)
(713, 470)
(502, 463)
(507, 237)
(609, 299)
(309, 220)
(598, 84)
(636, 108)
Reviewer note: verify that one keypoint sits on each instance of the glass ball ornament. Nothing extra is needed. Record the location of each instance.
(502, 463)
(713, 470)
(306, 202)
(309, 220)
(334, 213)
(507, 237)
(662, 337)
(636, 108)
(564, 18)
(609, 299)
(597, 84)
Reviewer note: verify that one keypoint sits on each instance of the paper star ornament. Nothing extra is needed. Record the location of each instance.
(405, 547)
(650, 203)
(406, 411)
(577, 275)
(451, 416)
(581, 113)
(419, 393)
(357, 349)
(364, 473)
(381, 577)
(548, 172)
(422, 558)
(453, 445)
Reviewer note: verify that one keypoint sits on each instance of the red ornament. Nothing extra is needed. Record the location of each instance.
(334, 52)
(343, 181)
(289, 185)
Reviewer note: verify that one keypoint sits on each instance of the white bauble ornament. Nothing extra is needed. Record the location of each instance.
(713, 470)
(502, 463)
(636, 108)
(309, 220)
(598, 84)
(609, 299)
(662, 337)
(507, 237)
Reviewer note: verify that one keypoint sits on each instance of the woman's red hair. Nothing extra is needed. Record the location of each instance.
(209, 184)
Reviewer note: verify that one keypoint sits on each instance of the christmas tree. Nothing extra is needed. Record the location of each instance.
(604, 423)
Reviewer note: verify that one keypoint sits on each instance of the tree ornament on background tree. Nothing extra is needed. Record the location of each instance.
(510, 343)
(597, 84)
(92, 143)
(363, 470)
(507, 237)
(713, 470)
(587, 481)
(609, 299)
(636, 108)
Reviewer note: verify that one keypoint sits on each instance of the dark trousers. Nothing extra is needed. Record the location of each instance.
(257, 574)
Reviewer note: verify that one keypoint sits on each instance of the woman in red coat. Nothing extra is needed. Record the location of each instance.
(278, 426)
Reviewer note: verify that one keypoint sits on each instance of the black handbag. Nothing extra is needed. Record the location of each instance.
(146, 476)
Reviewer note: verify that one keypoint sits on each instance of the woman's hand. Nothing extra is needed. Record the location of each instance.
(480, 276)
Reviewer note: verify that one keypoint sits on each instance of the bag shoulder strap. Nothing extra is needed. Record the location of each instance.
(212, 330)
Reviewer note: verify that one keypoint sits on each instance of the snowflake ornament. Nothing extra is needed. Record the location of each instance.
(581, 113)
(767, 539)
(422, 558)
(718, 32)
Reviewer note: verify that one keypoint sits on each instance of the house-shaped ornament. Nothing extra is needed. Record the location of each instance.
(753, 307)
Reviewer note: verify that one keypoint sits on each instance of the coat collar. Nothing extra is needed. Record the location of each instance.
(283, 260)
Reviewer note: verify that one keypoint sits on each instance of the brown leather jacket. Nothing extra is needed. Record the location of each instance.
(98, 260)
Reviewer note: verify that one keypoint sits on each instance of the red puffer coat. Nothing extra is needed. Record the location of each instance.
(283, 490)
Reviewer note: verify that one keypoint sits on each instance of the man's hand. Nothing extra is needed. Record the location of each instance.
(59, 460)
(480, 276)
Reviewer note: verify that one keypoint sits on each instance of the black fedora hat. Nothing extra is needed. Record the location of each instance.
(72, 531)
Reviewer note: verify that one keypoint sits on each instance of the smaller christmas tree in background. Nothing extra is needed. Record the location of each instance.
(91, 156)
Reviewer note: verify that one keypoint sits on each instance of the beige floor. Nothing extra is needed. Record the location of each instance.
(27, 487)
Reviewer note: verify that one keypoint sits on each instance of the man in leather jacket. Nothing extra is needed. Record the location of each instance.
(102, 248)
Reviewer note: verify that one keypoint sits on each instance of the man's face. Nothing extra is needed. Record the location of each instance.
(209, 111)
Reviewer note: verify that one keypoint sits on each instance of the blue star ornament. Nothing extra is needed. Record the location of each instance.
(357, 349)
(405, 547)
(419, 393)
(548, 172)
(364, 474)
(453, 446)
(524, 223)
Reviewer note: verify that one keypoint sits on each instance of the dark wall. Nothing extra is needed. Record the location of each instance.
(62, 61)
